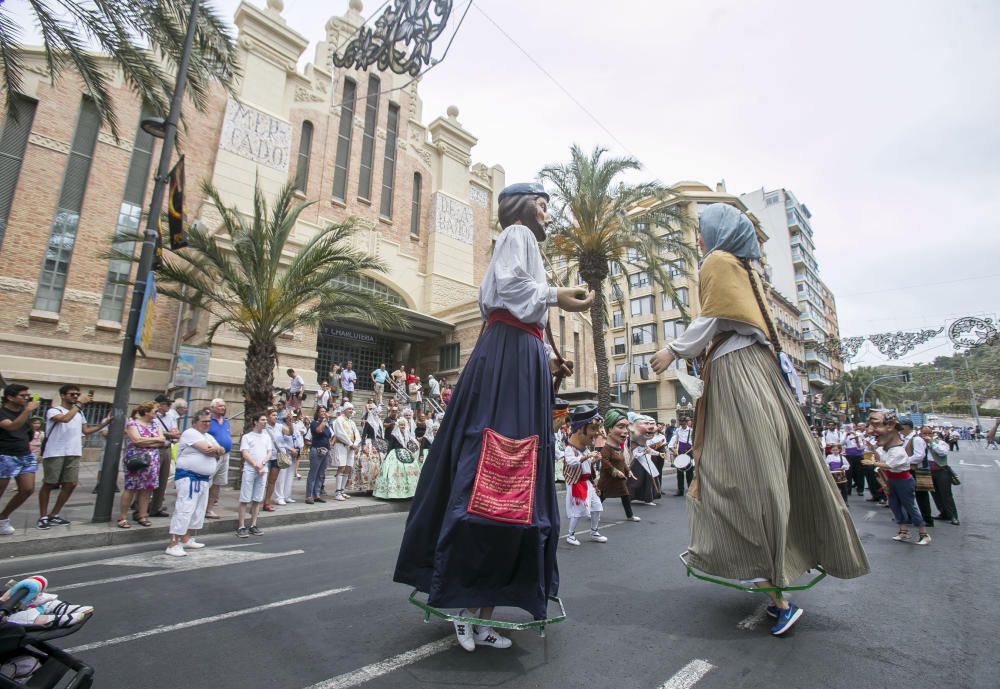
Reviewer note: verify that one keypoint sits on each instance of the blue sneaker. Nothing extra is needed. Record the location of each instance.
(786, 618)
(773, 611)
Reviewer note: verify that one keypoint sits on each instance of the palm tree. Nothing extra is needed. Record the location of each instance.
(851, 385)
(247, 278)
(137, 36)
(608, 226)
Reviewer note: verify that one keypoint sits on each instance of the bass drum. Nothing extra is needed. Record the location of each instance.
(682, 462)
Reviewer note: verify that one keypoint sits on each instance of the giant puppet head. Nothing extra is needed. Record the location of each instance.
(525, 203)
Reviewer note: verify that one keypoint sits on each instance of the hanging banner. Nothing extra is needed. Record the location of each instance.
(144, 333)
(175, 207)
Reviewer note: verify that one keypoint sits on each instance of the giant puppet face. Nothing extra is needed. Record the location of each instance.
(529, 210)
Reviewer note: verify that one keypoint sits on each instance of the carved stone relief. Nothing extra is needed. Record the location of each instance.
(478, 196)
(452, 218)
(256, 136)
(49, 143)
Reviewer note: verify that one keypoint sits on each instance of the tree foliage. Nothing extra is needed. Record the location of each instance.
(143, 39)
(606, 225)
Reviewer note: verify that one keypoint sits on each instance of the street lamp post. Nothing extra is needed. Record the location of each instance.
(126, 368)
(864, 394)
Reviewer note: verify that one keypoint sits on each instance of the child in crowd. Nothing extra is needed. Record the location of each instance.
(838, 467)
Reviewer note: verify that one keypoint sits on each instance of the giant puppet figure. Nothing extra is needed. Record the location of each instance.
(763, 507)
(484, 524)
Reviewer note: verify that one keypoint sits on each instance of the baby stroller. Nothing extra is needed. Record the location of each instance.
(25, 648)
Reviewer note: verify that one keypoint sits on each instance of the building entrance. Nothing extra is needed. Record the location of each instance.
(336, 344)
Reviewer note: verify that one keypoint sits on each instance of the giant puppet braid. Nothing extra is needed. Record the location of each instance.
(772, 332)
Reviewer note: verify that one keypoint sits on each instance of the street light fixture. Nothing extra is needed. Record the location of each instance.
(156, 127)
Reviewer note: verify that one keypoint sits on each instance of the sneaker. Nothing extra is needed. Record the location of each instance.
(786, 618)
(340, 497)
(43, 523)
(177, 550)
(596, 537)
(901, 536)
(242, 532)
(298, 475)
(59, 521)
(956, 522)
(289, 500)
(54, 606)
(5, 528)
(192, 544)
(633, 518)
(463, 631)
(572, 540)
(487, 636)
(254, 531)
(924, 540)
(280, 501)
(345, 496)
(318, 499)
(773, 611)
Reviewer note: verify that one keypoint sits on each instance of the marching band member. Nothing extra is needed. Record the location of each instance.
(757, 467)
(581, 495)
(681, 443)
(838, 467)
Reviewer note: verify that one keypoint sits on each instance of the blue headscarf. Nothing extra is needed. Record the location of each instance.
(727, 229)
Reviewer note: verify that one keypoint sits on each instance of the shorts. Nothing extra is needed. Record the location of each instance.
(272, 464)
(58, 470)
(221, 475)
(252, 485)
(12, 466)
(379, 389)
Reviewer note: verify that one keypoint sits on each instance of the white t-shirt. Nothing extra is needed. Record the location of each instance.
(64, 439)
(192, 459)
(347, 379)
(297, 384)
(258, 445)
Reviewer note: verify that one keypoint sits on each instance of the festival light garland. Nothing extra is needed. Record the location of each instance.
(407, 23)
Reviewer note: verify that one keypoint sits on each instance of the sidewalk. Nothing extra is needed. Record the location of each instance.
(83, 533)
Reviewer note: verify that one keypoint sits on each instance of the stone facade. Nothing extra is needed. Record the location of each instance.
(435, 261)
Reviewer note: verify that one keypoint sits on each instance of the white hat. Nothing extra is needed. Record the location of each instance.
(347, 405)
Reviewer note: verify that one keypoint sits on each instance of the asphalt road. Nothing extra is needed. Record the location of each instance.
(314, 607)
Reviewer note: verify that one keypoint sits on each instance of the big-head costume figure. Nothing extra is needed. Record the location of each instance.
(484, 524)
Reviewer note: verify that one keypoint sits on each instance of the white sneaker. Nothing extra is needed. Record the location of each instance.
(289, 499)
(924, 540)
(487, 636)
(58, 608)
(177, 550)
(572, 540)
(597, 537)
(5, 528)
(463, 631)
(346, 496)
(633, 518)
(339, 496)
(280, 501)
(192, 544)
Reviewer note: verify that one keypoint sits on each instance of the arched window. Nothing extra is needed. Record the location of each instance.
(415, 206)
(302, 165)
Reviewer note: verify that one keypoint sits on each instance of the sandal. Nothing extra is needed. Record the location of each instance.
(123, 524)
(144, 522)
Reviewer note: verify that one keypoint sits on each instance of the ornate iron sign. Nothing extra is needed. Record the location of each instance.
(895, 345)
(401, 40)
(970, 332)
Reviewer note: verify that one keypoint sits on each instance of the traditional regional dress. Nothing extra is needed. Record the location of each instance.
(581, 495)
(484, 524)
(763, 503)
(400, 470)
(645, 487)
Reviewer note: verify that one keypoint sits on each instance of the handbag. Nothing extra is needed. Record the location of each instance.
(953, 476)
(284, 460)
(137, 462)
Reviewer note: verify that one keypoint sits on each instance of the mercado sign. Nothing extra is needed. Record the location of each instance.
(257, 136)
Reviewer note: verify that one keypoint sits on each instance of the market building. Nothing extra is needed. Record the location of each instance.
(355, 143)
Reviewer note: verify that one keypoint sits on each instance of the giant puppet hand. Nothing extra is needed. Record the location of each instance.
(565, 369)
(661, 361)
(574, 299)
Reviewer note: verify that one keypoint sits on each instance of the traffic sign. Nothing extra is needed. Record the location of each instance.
(864, 406)
(917, 418)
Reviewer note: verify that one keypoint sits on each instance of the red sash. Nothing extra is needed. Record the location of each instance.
(580, 490)
(505, 316)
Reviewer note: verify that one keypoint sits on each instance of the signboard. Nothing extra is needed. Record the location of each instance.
(864, 406)
(256, 136)
(144, 333)
(191, 368)
(346, 334)
(917, 418)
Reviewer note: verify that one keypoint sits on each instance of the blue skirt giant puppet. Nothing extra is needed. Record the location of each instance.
(484, 524)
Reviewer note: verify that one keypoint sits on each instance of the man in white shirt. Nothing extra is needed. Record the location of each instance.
(916, 451)
(65, 427)
(296, 388)
(347, 441)
(168, 424)
(198, 454)
(348, 377)
(832, 436)
(257, 448)
(681, 443)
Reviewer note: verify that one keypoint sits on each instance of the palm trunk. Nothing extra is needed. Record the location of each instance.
(600, 347)
(259, 381)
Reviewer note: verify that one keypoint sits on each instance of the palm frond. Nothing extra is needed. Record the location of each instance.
(10, 60)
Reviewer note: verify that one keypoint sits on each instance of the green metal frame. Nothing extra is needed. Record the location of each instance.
(777, 591)
(496, 624)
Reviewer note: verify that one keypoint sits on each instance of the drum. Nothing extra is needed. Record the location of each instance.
(682, 462)
(839, 476)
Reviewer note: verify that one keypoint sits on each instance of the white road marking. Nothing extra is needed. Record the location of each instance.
(869, 515)
(997, 462)
(586, 523)
(384, 667)
(753, 619)
(968, 464)
(205, 620)
(688, 675)
(167, 564)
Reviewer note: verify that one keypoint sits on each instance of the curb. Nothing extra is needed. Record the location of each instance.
(116, 536)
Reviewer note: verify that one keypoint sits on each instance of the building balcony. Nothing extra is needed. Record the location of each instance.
(816, 378)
